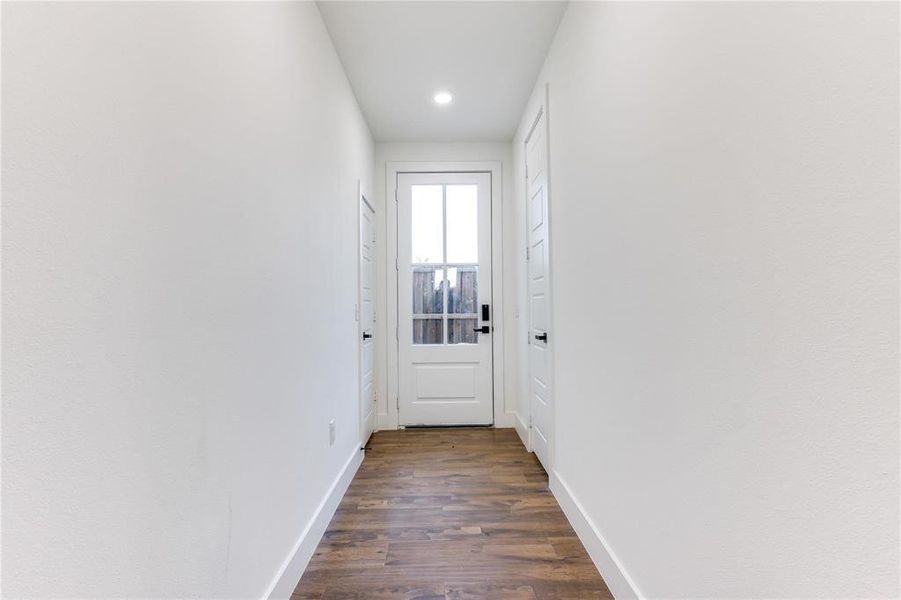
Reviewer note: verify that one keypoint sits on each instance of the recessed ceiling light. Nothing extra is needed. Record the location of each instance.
(443, 98)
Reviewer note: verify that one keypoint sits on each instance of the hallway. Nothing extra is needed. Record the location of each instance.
(440, 299)
(450, 513)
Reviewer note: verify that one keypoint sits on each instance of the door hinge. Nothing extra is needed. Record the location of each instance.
(527, 253)
(397, 402)
(396, 334)
(530, 421)
(396, 268)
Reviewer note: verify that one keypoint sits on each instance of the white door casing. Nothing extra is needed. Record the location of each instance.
(540, 364)
(444, 279)
(366, 316)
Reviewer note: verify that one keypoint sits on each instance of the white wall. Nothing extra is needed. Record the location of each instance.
(438, 152)
(724, 212)
(179, 279)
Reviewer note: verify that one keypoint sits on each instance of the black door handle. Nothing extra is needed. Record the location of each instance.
(366, 336)
(483, 329)
(541, 337)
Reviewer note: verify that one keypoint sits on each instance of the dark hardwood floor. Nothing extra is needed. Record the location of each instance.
(450, 513)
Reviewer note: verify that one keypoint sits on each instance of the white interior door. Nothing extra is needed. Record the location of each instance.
(540, 380)
(444, 296)
(367, 320)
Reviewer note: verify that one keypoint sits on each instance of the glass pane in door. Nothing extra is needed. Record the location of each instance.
(428, 331)
(463, 290)
(462, 331)
(428, 224)
(462, 223)
(428, 290)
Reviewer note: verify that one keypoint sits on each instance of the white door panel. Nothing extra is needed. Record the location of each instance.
(539, 313)
(536, 209)
(540, 375)
(455, 380)
(537, 266)
(539, 366)
(535, 152)
(444, 278)
(368, 358)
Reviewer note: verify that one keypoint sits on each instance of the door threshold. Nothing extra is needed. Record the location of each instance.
(488, 426)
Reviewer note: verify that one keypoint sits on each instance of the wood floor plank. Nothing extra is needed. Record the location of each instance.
(348, 555)
(413, 591)
(489, 591)
(450, 513)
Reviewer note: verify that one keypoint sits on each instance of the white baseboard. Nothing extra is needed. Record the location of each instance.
(522, 428)
(292, 569)
(610, 568)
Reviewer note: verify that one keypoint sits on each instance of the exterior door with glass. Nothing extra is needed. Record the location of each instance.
(444, 299)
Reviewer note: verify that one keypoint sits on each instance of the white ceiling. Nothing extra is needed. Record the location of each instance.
(398, 54)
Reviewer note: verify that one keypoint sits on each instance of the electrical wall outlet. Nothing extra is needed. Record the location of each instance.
(331, 432)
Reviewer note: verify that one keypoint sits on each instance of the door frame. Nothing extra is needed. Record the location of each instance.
(538, 111)
(392, 170)
(361, 199)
